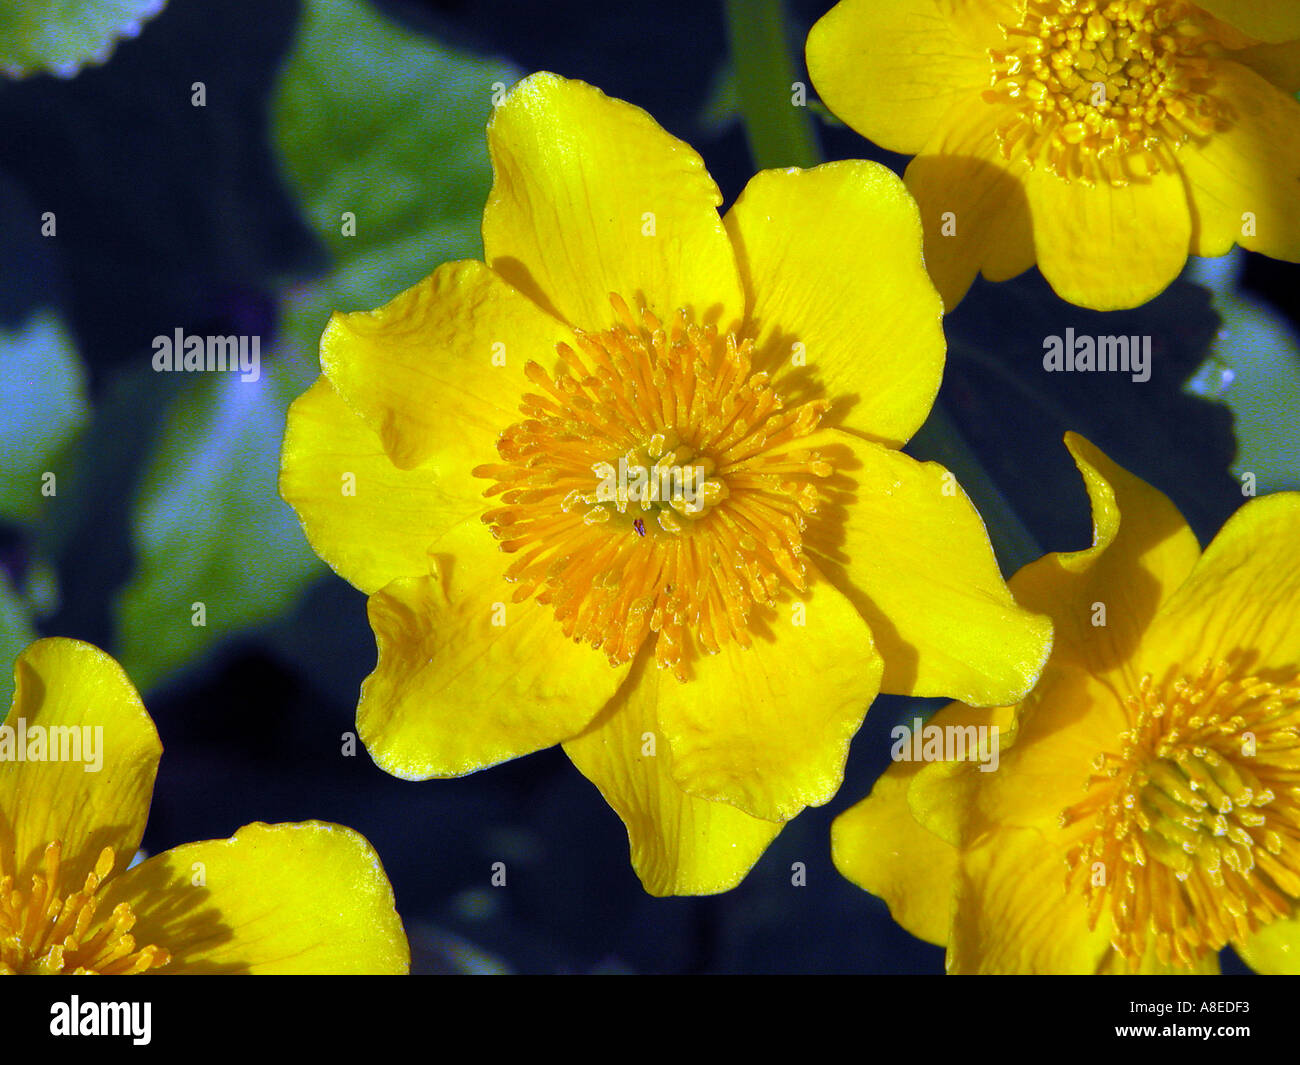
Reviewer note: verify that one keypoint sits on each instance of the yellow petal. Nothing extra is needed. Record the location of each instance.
(98, 795)
(767, 729)
(1267, 20)
(592, 197)
(308, 898)
(438, 371)
(1242, 599)
(1252, 168)
(883, 849)
(841, 306)
(1274, 950)
(891, 70)
(1061, 727)
(1013, 913)
(1110, 248)
(1115, 964)
(466, 678)
(1277, 63)
(944, 795)
(974, 209)
(903, 542)
(680, 845)
(1102, 599)
(371, 521)
(1143, 550)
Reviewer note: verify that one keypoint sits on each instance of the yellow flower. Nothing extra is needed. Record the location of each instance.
(1104, 140)
(78, 755)
(478, 455)
(1147, 813)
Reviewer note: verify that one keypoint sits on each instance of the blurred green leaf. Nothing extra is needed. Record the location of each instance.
(1254, 369)
(62, 36)
(721, 109)
(42, 405)
(380, 127)
(370, 119)
(208, 525)
(16, 632)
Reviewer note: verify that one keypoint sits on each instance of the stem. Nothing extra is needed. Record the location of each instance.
(780, 133)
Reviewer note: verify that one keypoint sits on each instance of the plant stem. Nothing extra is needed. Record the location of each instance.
(780, 132)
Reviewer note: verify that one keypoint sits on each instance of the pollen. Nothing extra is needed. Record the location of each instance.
(1193, 837)
(45, 932)
(658, 487)
(1105, 91)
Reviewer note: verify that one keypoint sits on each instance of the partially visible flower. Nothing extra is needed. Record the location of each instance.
(1103, 139)
(290, 898)
(1147, 813)
(478, 458)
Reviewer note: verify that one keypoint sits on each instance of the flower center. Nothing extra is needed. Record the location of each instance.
(1104, 91)
(1196, 822)
(44, 934)
(662, 478)
(657, 485)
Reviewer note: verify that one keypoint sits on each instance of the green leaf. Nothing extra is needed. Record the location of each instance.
(1254, 369)
(370, 119)
(778, 133)
(721, 108)
(16, 632)
(217, 548)
(62, 36)
(42, 406)
(383, 129)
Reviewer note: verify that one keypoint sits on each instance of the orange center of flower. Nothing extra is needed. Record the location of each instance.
(1195, 837)
(45, 933)
(656, 485)
(1104, 91)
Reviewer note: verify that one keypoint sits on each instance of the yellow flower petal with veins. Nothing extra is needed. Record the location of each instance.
(286, 899)
(308, 898)
(56, 684)
(908, 62)
(329, 451)
(1142, 816)
(884, 848)
(901, 544)
(807, 251)
(975, 209)
(1118, 136)
(660, 409)
(586, 199)
(452, 645)
(680, 844)
(1274, 949)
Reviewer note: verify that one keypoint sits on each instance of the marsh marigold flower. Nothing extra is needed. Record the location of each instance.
(78, 756)
(1147, 813)
(631, 485)
(1104, 140)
